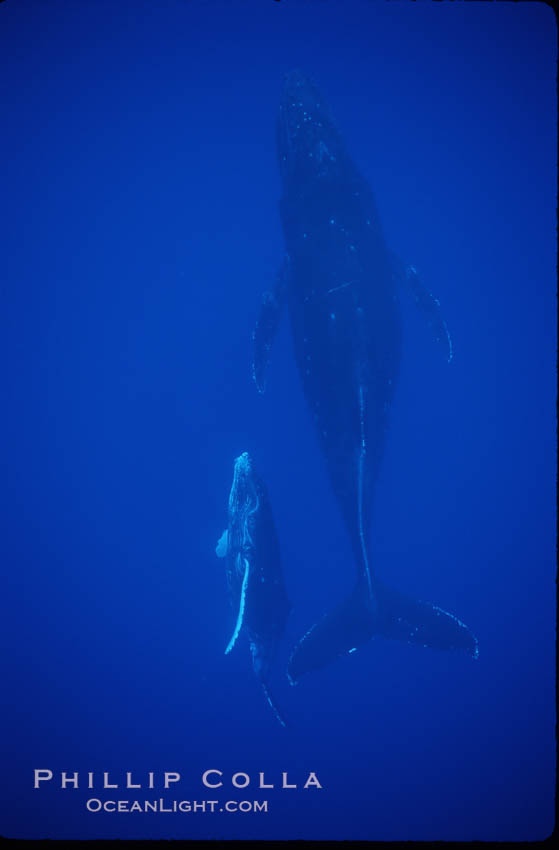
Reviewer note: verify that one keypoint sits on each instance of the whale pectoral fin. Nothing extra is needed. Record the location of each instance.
(409, 278)
(411, 620)
(431, 308)
(222, 543)
(338, 633)
(241, 614)
(266, 327)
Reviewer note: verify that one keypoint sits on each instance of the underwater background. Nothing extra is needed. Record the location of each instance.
(140, 228)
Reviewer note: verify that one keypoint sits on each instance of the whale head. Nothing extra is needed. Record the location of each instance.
(309, 144)
(244, 502)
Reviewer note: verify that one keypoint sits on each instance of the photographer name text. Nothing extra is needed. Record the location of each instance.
(212, 778)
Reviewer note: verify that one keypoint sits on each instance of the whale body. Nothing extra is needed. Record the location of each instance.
(340, 283)
(250, 547)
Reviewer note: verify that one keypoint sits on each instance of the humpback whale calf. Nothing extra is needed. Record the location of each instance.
(254, 575)
(340, 284)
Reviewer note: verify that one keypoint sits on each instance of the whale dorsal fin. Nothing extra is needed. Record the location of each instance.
(410, 279)
(267, 325)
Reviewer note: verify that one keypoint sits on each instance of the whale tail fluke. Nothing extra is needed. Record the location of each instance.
(405, 618)
(270, 699)
(395, 616)
(338, 633)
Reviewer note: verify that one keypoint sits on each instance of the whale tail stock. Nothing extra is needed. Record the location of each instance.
(394, 615)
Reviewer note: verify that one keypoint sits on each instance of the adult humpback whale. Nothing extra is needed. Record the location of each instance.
(340, 284)
(254, 574)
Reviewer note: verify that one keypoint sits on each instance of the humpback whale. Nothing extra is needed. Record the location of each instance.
(340, 283)
(254, 576)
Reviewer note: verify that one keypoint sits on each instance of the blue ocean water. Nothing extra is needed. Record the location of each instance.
(140, 228)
